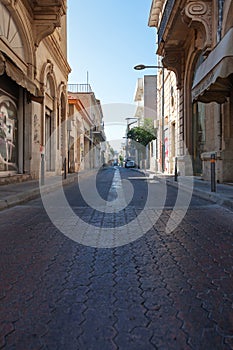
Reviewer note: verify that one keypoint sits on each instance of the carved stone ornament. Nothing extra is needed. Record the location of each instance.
(9, 2)
(199, 12)
(63, 88)
(47, 17)
(173, 60)
(2, 64)
(48, 69)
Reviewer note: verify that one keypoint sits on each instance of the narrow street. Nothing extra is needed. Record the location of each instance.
(114, 276)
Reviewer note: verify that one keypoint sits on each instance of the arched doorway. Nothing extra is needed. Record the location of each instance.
(8, 125)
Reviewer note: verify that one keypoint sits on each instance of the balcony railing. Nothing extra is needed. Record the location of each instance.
(166, 15)
(79, 88)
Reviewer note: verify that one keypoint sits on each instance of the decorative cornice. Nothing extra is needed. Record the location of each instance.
(197, 14)
(174, 61)
(155, 11)
(58, 55)
(46, 17)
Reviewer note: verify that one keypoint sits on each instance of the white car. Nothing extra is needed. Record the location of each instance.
(130, 164)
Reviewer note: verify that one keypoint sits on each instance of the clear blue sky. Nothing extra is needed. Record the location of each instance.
(107, 38)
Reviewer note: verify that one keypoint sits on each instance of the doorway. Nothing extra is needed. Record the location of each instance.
(198, 135)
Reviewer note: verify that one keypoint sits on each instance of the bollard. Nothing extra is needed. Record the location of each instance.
(212, 169)
(176, 173)
(42, 168)
(64, 167)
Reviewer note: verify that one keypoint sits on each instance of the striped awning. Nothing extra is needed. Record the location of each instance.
(213, 78)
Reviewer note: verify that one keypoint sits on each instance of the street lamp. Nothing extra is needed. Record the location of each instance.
(69, 129)
(141, 67)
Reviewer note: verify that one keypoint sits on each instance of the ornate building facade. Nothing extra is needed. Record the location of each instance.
(33, 86)
(87, 137)
(195, 41)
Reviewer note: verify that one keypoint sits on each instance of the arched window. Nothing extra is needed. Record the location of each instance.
(10, 33)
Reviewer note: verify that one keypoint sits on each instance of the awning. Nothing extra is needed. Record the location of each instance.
(15, 73)
(212, 81)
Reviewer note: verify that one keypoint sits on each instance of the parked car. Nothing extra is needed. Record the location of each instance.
(130, 164)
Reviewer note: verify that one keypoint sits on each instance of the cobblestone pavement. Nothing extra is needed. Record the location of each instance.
(163, 291)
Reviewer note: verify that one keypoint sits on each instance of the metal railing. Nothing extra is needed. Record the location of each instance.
(79, 88)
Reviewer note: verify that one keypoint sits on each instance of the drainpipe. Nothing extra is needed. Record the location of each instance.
(220, 18)
(220, 128)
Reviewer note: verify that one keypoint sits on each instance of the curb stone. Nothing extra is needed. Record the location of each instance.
(212, 197)
(22, 197)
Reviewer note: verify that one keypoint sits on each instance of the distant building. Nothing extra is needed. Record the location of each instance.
(86, 135)
(149, 95)
(146, 99)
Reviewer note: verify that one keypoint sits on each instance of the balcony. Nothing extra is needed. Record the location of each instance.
(164, 21)
(45, 16)
(79, 88)
(98, 132)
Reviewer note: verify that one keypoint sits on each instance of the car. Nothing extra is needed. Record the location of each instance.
(130, 164)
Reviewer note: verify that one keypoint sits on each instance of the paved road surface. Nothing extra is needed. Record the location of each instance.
(165, 290)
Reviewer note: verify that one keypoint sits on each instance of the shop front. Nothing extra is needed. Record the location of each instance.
(9, 95)
(213, 89)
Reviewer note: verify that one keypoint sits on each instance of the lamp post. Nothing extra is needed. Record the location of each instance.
(141, 67)
(69, 129)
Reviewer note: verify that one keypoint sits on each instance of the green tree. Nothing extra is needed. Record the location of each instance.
(121, 159)
(143, 135)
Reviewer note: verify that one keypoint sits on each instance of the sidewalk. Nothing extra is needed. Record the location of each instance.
(17, 193)
(201, 188)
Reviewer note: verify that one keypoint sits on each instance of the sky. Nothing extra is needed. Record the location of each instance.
(106, 39)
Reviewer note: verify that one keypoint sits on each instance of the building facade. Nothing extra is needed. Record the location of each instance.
(167, 120)
(33, 87)
(146, 99)
(157, 99)
(86, 129)
(195, 41)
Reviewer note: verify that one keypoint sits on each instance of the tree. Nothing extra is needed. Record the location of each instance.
(121, 159)
(143, 135)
